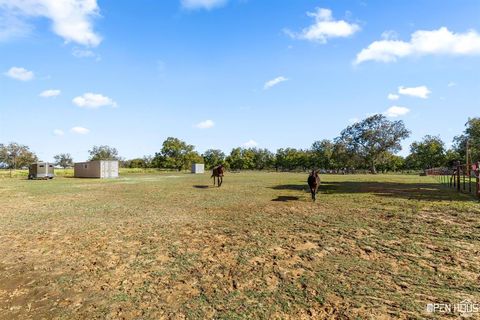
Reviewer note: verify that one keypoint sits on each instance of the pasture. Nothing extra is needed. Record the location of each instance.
(172, 246)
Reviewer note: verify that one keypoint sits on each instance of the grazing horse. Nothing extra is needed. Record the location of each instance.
(313, 182)
(218, 172)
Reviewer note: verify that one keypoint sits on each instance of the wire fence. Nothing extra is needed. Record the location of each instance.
(462, 177)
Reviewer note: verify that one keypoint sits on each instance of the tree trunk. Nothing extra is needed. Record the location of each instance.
(373, 170)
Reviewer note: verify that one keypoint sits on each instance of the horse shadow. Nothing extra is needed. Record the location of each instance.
(286, 198)
(201, 186)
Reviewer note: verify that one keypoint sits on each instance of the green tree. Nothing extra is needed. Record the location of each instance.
(103, 153)
(176, 154)
(235, 159)
(372, 137)
(213, 157)
(63, 160)
(427, 153)
(15, 155)
(322, 152)
(263, 159)
(470, 136)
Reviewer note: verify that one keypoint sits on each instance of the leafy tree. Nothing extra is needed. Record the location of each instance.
(428, 153)
(176, 154)
(103, 153)
(135, 163)
(235, 159)
(322, 152)
(372, 137)
(472, 136)
(15, 155)
(262, 159)
(292, 159)
(213, 157)
(63, 160)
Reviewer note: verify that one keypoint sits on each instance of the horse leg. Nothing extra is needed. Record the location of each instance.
(214, 181)
(221, 181)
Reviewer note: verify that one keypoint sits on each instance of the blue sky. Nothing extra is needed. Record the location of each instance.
(228, 73)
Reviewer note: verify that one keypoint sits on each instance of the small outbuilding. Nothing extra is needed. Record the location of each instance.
(102, 169)
(198, 168)
(41, 170)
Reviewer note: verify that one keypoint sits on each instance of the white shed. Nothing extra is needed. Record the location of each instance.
(198, 168)
(96, 169)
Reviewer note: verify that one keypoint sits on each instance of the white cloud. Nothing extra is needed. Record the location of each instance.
(12, 27)
(85, 53)
(207, 124)
(202, 4)
(396, 111)
(58, 132)
(71, 19)
(93, 101)
(19, 73)
(50, 93)
(422, 42)
(80, 130)
(325, 27)
(419, 92)
(392, 96)
(271, 83)
(250, 144)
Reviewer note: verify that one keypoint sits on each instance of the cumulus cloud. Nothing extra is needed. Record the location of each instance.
(93, 101)
(271, 83)
(80, 130)
(207, 124)
(19, 73)
(324, 27)
(418, 92)
(422, 42)
(50, 93)
(202, 4)
(71, 19)
(396, 111)
(250, 144)
(58, 132)
(392, 96)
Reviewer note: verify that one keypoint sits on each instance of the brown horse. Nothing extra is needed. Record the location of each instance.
(218, 172)
(314, 182)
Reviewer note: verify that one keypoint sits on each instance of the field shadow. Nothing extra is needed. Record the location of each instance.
(286, 198)
(409, 191)
(201, 186)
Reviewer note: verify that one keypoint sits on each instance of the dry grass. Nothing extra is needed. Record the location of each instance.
(171, 246)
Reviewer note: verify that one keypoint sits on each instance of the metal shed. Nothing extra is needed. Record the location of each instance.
(198, 168)
(103, 169)
(41, 170)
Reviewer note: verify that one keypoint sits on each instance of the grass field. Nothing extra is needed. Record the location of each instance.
(171, 246)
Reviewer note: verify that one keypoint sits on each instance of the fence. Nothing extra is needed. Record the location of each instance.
(462, 177)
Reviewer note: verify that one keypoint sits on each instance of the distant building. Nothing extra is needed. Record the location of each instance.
(103, 169)
(41, 170)
(198, 168)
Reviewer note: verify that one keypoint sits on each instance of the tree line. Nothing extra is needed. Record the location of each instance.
(370, 144)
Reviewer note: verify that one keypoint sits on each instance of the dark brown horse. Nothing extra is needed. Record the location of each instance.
(218, 172)
(314, 182)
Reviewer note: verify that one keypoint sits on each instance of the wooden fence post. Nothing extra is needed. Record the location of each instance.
(477, 179)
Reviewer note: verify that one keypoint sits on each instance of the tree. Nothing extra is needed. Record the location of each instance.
(262, 159)
(372, 137)
(15, 155)
(63, 160)
(176, 154)
(213, 157)
(428, 153)
(470, 136)
(235, 159)
(103, 153)
(322, 152)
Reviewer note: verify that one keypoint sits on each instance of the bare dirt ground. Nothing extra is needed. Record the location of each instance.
(171, 246)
